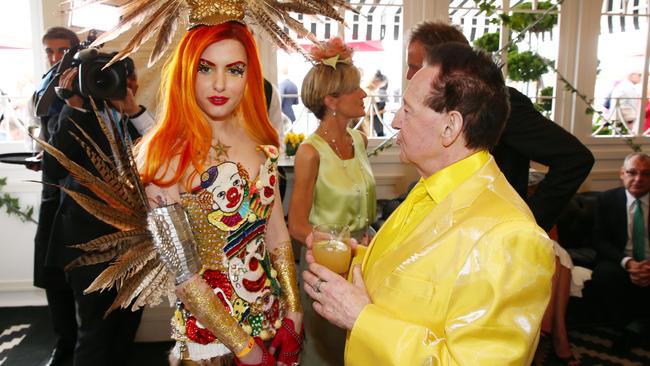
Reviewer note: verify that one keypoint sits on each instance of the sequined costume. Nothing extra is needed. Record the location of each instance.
(228, 214)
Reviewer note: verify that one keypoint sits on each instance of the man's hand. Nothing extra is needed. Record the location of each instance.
(35, 162)
(335, 299)
(639, 272)
(66, 81)
(128, 105)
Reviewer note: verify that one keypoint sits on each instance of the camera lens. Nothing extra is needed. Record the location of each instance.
(102, 84)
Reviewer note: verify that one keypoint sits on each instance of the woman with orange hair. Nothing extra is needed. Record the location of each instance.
(214, 152)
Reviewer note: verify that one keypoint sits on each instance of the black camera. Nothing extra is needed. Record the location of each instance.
(93, 80)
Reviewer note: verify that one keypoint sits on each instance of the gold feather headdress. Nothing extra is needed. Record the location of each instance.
(161, 18)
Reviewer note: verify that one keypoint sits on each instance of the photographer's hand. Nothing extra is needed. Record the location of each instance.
(128, 105)
(66, 81)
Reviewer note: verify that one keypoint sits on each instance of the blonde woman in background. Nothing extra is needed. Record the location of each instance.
(333, 178)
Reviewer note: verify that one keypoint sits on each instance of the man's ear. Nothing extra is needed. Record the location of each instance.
(452, 128)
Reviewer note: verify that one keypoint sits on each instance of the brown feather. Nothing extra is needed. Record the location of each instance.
(123, 267)
(93, 258)
(120, 238)
(107, 213)
(130, 185)
(131, 14)
(165, 35)
(147, 30)
(84, 177)
(134, 286)
(152, 295)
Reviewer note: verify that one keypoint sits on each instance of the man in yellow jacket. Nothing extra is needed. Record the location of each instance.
(460, 274)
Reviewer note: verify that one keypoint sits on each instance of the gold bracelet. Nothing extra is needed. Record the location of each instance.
(249, 347)
(285, 266)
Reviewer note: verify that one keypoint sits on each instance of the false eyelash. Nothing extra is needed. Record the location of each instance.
(204, 67)
(238, 69)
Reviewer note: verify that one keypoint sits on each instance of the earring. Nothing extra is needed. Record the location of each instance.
(334, 113)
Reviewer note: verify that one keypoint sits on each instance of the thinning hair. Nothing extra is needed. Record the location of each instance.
(640, 154)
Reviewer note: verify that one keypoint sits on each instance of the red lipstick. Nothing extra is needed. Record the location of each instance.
(218, 100)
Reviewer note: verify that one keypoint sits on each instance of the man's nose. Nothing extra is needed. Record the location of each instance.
(397, 121)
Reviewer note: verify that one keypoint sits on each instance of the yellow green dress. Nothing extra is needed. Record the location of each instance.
(344, 193)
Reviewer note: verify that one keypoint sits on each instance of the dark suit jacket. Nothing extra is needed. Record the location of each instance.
(611, 225)
(43, 277)
(72, 224)
(527, 136)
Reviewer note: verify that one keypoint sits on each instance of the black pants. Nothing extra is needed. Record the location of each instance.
(611, 289)
(62, 312)
(100, 341)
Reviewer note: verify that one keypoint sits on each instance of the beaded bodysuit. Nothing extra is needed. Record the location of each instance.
(228, 214)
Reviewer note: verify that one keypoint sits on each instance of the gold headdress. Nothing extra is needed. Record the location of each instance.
(161, 18)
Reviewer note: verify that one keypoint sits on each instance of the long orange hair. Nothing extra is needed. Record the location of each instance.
(182, 130)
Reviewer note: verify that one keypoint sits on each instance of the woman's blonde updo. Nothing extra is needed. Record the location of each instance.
(333, 74)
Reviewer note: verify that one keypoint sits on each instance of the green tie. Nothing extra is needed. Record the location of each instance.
(638, 233)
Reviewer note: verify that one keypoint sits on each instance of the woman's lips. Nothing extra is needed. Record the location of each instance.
(218, 100)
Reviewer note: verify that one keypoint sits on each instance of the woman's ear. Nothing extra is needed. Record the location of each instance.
(330, 102)
(452, 128)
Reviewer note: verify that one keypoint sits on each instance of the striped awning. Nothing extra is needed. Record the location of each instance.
(624, 15)
(377, 20)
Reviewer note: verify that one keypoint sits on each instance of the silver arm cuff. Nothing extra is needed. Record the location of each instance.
(173, 238)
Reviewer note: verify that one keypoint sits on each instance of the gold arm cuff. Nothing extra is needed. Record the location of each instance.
(285, 266)
(199, 298)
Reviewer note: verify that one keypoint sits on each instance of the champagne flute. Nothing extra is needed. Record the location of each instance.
(331, 247)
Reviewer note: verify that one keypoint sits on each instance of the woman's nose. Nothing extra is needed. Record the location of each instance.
(219, 83)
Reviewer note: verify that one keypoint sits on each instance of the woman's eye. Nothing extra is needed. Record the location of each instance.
(237, 70)
(204, 68)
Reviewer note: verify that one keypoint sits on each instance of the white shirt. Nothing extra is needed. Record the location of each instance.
(630, 207)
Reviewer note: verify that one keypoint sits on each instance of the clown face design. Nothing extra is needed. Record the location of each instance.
(247, 276)
(227, 187)
(266, 182)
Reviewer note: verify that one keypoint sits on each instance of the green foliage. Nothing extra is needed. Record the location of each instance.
(12, 205)
(488, 42)
(487, 6)
(525, 66)
(545, 99)
(520, 21)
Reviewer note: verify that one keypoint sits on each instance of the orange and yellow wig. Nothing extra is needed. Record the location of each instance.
(182, 130)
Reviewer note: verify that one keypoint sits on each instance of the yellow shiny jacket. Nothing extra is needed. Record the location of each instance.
(468, 286)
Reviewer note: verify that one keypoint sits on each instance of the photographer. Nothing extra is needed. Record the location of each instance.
(100, 341)
(60, 301)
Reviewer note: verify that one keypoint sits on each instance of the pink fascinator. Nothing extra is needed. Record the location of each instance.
(331, 52)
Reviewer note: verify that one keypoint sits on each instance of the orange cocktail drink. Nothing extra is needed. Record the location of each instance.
(331, 247)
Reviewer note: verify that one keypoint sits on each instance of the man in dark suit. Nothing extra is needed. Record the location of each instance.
(621, 279)
(99, 340)
(527, 136)
(60, 301)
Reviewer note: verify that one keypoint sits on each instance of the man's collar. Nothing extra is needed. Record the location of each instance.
(442, 182)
